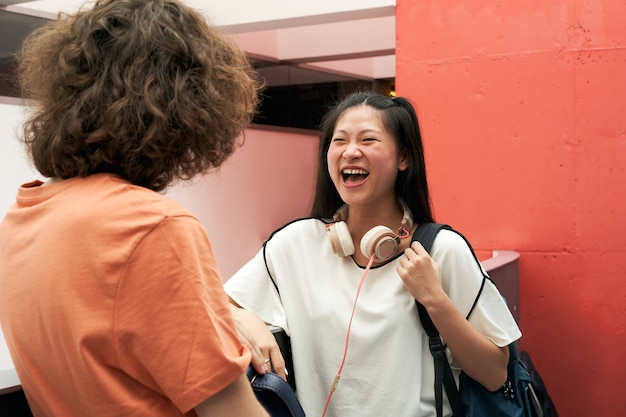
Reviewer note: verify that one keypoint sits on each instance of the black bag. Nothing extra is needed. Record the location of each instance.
(275, 394)
(539, 394)
(517, 398)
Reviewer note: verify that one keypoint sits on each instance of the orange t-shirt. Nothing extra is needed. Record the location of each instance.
(111, 302)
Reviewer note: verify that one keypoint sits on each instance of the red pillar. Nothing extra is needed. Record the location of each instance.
(523, 111)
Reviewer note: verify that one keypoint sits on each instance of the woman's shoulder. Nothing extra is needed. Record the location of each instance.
(302, 235)
(114, 200)
(450, 239)
(450, 245)
(298, 227)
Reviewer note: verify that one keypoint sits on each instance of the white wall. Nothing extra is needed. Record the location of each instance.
(15, 167)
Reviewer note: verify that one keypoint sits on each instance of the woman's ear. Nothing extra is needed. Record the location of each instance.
(404, 160)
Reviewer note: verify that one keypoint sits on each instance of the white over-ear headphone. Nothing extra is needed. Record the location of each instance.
(379, 240)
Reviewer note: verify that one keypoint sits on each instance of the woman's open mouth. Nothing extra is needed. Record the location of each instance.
(353, 176)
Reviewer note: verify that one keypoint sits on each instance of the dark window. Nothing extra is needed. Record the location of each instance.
(298, 97)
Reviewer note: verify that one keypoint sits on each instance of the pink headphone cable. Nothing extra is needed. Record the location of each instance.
(345, 350)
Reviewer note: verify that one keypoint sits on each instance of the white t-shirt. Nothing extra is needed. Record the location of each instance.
(389, 369)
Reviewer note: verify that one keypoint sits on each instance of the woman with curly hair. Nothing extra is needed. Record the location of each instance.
(111, 301)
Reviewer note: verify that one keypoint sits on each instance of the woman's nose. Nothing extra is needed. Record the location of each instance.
(352, 151)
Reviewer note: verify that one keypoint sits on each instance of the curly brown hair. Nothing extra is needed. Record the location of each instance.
(144, 89)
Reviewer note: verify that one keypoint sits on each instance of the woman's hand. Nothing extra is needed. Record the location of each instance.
(420, 274)
(255, 335)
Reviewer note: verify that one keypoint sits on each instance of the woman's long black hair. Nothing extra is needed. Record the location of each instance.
(400, 119)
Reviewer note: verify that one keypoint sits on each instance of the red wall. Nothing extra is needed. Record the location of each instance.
(523, 110)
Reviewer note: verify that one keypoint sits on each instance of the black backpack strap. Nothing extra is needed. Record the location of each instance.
(425, 234)
(443, 372)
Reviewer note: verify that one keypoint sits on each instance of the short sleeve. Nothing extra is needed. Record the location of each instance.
(492, 317)
(252, 288)
(173, 325)
(462, 278)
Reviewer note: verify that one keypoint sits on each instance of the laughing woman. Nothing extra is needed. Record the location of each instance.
(371, 194)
